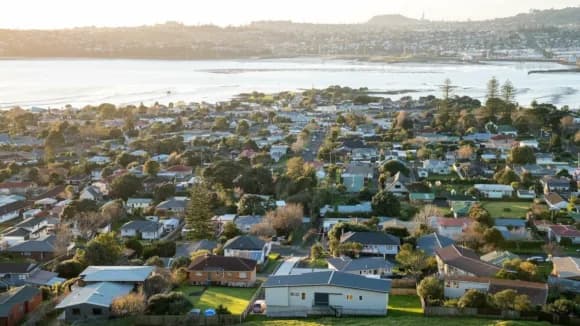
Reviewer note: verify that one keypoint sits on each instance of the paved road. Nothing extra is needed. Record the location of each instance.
(288, 265)
(316, 140)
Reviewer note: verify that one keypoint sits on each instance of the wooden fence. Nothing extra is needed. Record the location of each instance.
(183, 320)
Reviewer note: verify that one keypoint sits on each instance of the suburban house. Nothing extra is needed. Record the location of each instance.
(364, 154)
(174, 205)
(132, 275)
(566, 274)
(245, 223)
(16, 188)
(454, 260)
(512, 228)
(136, 204)
(431, 242)
(326, 293)
(374, 243)
(560, 232)
(91, 301)
(220, 270)
(498, 257)
(494, 190)
(366, 266)
(247, 246)
(555, 184)
(436, 166)
(555, 202)
(278, 151)
(11, 209)
(456, 286)
(17, 274)
(396, 185)
(41, 249)
(142, 229)
(362, 208)
(449, 227)
(356, 175)
(18, 302)
(91, 193)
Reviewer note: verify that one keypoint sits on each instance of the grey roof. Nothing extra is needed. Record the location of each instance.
(43, 277)
(374, 237)
(185, 249)
(116, 273)
(16, 232)
(44, 244)
(431, 242)
(248, 220)
(98, 294)
(172, 204)
(142, 226)
(338, 279)
(14, 296)
(245, 242)
(17, 268)
(347, 264)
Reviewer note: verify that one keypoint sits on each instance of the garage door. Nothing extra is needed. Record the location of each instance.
(321, 299)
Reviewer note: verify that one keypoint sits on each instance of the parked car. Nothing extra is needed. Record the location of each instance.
(536, 259)
(259, 307)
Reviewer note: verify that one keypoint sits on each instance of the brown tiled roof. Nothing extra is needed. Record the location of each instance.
(565, 231)
(212, 262)
(537, 292)
(466, 260)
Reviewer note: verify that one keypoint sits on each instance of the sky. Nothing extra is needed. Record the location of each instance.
(48, 14)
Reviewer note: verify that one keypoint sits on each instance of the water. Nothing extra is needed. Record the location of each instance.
(55, 83)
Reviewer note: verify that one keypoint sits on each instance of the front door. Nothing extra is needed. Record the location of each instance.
(321, 299)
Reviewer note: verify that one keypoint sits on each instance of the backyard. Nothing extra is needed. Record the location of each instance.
(235, 299)
(502, 209)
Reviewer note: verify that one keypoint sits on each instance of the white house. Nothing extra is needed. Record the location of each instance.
(146, 230)
(494, 190)
(449, 227)
(134, 204)
(366, 266)
(247, 246)
(436, 166)
(278, 151)
(529, 143)
(374, 243)
(326, 293)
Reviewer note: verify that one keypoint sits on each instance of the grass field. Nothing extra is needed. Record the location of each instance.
(404, 310)
(235, 299)
(516, 209)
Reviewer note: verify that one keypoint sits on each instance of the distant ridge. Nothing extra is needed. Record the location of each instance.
(393, 20)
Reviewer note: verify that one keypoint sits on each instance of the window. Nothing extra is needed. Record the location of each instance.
(303, 296)
(360, 297)
(76, 311)
(243, 275)
(97, 311)
(349, 297)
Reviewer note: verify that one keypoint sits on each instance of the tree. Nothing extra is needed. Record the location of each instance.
(385, 203)
(230, 230)
(412, 261)
(446, 89)
(473, 298)
(243, 128)
(151, 168)
(220, 124)
(158, 282)
(263, 229)
(422, 217)
(492, 88)
(125, 186)
(199, 215)
(286, 219)
(555, 142)
(87, 223)
(522, 155)
(493, 239)
(124, 159)
(430, 289)
(104, 249)
(179, 262)
(135, 245)
(251, 205)
(508, 92)
(69, 268)
(295, 167)
(506, 176)
(155, 261)
(560, 307)
(465, 152)
(316, 251)
(129, 304)
(172, 303)
(480, 215)
(114, 210)
(394, 166)
(505, 299)
(164, 191)
(63, 239)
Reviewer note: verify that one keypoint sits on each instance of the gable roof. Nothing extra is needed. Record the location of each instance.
(245, 242)
(142, 226)
(97, 294)
(553, 198)
(565, 231)
(466, 260)
(221, 263)
(15, 296)
(566, 267)
(332, 278)
(116, 273)
(43, 244)
(346, 264)
(373, 237)
(430, 242)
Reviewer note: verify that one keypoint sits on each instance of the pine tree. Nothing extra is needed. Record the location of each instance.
(492, 88)
(199, 214)
(508, 92)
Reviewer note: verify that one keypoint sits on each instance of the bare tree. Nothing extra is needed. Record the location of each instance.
(129, 304)
(465, 152)
(428, 211)
(285, 219)
(263, 229)
(63, 239)
(87, 223)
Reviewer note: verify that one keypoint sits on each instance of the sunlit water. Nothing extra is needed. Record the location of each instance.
(55, 83)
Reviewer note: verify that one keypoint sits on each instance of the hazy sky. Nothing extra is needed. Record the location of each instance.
(70, 13)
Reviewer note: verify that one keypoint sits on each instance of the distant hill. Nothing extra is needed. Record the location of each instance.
(553, 17)
(393, 20)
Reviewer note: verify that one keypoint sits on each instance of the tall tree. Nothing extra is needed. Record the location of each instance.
(199, 214)
(508, 92)
(492, 88)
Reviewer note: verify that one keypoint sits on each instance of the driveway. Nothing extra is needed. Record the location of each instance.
(288, 265)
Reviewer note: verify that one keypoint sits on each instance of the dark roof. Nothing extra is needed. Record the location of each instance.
(15, 296)
(16, 268)
(142, 226)
(245, 242)
(12, 207)
(16, 232)
(339, 279)
(430, 242)
(185, 249)
(212, 262)
(466, 260)
(346, 264)
(374, 237)
(45, 244)
(537, 292)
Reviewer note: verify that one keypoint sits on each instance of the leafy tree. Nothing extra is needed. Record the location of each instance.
(430, 288)
(522, 303)
(124, 159)
(316, 251)
(243, 128)
(199, 215)
(385, 203)
(220, 124)
(555, 142)
(180, 262)
(394, 166)
(522, 155)
(75, 207)
(493, 239)
(251, 205)
(506, 176)
(69, 268)
(162, 248)
(104, 249)
(155, 261)
(164, 191)
(125, 186)
(230, 230)
(505, 299)
(473, 299)
(480, 215)
(285, 219)
(135, 245)
(172, 303)
(158, 282)
(151, 168)
(412, 261)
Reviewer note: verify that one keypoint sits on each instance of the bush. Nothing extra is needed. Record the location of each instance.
(172, 303)
(450, 303)
(473, 299)
(430, 288)
(69, 268)
(160, 248)
(155, 261)
(134, 244)
(180, 262)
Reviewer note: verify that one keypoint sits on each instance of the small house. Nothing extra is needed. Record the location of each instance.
(224, 271)
(17, 303)
(374, 243)
(366, 266)
(142, 229)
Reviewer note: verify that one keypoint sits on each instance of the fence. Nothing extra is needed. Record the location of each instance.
(193, 320)
(479, 312)
(403, 287)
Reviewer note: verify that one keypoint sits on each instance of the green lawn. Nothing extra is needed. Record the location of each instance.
(516, 209)
(235, 299)
(271, 266)
(404, 305)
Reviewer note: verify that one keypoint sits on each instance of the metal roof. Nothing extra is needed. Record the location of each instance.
(97, 294)
(338, 279)
(116, 273)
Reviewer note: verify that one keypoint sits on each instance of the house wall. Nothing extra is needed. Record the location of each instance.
(258, 255)
(128, 233)
(38, 256)
(226, 278)
(85, 312)
(456, 289)
(301, 298)
(380, 249)
(19, 311)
